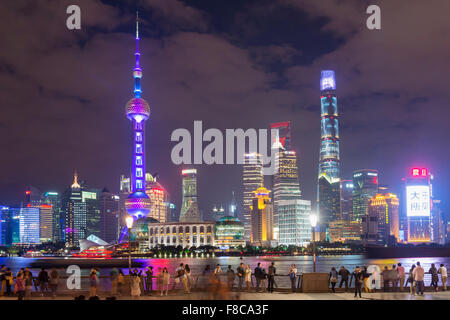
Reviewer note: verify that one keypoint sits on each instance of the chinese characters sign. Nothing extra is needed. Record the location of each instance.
(418, 201)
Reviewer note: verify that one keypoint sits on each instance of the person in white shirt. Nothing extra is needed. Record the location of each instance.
(443, 272)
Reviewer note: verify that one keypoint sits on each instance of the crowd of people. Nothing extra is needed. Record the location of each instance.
(148, 281)
(393, 279)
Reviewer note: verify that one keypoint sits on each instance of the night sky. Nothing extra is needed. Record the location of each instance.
(232, 64)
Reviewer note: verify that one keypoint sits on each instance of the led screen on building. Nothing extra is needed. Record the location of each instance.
(418, 201)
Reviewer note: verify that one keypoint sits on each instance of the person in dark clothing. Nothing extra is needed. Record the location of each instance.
(359, 277)
(333, 278)
(386, 273)
(344, 273)
(43, 281)
(241, 273)
(434, 277)
(259, 276)
(9, 281)
(271, 277)
(149, 280)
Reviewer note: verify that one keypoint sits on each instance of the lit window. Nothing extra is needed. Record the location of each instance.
(138, 136)
(138, 184)
(139, 148)
(139, 161)
(139, 172)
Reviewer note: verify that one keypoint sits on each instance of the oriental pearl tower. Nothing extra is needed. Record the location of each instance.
(138, 111)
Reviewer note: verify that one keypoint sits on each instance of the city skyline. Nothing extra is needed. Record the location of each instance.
(391, 152)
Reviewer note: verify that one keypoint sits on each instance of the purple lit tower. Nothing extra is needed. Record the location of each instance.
(138, 111)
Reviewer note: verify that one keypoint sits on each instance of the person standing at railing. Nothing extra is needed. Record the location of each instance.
(120, 282)
(366, 278)
(9, 281)
(386, 274)
(248, 277)
(358, 275)
(54, 278)
(271, 277)
(344, 273)
(187, 271)
(114, 276)
(443, 272)
(258, 276)
(135, 285)
(43, 281)
(93, 283)
(394, 277)
(401, 275)
(434, 277)
(419, 274)
(241, 273)
(292, 277)
(333, 278)
(148, 280)
(28, 278)
(165, 278)
(411, 280)
(230, 278)
(19, 289)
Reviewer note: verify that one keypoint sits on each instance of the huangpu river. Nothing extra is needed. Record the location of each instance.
(304, 264)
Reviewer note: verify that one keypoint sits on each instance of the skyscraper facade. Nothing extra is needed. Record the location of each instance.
(91, 198)
(75, 212)
(46, 222)
(189, 205)
(124, 192)
(416, 205)
(52, 198)
(329, 159)
(261, 219)
(159, 198)
(365, 186)
(109, 216)
(346, 199)
(252, 179)
(294, 222)
(29, 220)
(138, 111)
(385, 207)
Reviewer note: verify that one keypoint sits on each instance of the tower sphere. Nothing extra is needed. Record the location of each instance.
(137, 108)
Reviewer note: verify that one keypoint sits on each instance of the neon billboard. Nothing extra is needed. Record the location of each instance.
(418, 201)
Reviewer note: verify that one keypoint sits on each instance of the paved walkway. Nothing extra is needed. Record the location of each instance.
(271, 296)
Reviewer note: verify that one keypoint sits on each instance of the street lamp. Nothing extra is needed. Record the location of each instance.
(313, 219)
(129, 220)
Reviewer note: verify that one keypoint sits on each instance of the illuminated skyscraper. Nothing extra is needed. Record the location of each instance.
(91, 198)
(52, 198)
(189, 206)
(416, 206)
(383, 211)
(346, 199)
(365, 186)
(45, 222)
(29, 220)
(329, 159)
(261, 219)
(124, 192)
(138, 111)
(75, 214)
(159, 198)
(253, 178)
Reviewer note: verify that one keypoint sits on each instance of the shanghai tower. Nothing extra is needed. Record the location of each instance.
(138, 111)
(329, 161)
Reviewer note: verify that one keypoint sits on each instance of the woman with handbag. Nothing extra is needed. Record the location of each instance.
(333, 278)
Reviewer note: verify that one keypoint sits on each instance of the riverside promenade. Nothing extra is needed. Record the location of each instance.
(442, 295)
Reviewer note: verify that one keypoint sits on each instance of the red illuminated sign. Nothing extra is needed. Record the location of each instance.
(419, 172)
